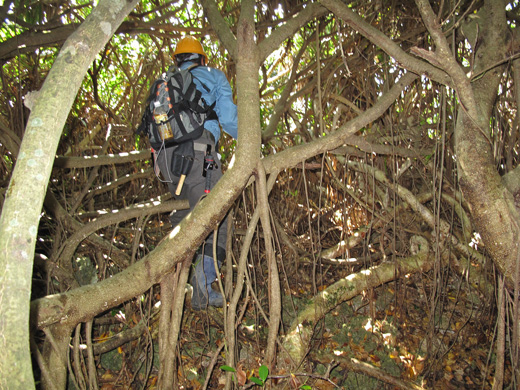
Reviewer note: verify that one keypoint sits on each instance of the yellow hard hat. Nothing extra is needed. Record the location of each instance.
(189, 45)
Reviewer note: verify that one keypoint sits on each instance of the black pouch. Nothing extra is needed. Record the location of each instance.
(182, 159)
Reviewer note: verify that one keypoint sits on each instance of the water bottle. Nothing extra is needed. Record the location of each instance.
(160, 114)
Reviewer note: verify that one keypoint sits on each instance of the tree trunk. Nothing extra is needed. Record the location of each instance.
(55, 357)
(492, 205)
(19, 223)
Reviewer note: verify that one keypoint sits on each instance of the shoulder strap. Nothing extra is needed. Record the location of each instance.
(194, 103)
(195, 77)
(212, 115)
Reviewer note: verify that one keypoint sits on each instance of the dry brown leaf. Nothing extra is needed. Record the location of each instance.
(241, 375)
(108, 375)
(295, 382)
(323, 385)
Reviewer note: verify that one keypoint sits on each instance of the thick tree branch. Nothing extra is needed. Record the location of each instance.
(390, 47)
(183, 240)
(295, 155)
(29, 181)
(221, 27)
(492, 206)
(299, 334)
(288, 29)
(443, 58)
(360, 145)
(29, 41)
(93, 161)
(115, 217)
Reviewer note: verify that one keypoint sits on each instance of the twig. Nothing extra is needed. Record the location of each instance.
(92, 373)
(78, 372)
(42, 365)
(212, 365)
(314, 376)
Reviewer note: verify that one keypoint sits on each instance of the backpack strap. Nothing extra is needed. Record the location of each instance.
(185, 102)
(212, 115)
(147, 114)
(145, 120)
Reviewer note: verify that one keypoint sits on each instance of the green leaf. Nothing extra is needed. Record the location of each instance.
(263, 372)
(305, 387)
(256, 381)
(227, 368)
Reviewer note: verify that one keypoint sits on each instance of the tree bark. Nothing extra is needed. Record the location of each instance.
(492, 205)
(19, 223)
(55, 356)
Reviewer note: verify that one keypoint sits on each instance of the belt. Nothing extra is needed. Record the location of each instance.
(201, 144)
(200, 147)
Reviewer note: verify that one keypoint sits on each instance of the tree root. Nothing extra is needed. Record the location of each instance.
(355, 365)
(296, 342)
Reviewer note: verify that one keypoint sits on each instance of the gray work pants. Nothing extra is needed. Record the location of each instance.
(194, 186)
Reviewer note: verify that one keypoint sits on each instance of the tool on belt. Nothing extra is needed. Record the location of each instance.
(182, 161)
(209, 164)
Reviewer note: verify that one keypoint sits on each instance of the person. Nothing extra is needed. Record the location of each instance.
(215, 89)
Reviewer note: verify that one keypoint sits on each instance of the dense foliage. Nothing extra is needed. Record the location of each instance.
(362, 213)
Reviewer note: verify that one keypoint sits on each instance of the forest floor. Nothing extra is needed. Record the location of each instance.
(438, 343)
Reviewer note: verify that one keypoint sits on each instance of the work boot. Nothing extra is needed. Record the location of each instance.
(204, 274)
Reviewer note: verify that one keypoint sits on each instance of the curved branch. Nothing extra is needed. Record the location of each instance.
(108, 159)
(24, 198)
(51, 204)
(288, 29)
(27, 42)
(116, 217)
(443, 58)
(176, 247)
(378, 38)
(298, 335)
(358, 144)
(364, 368)
(220, 26)
(295, 155)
